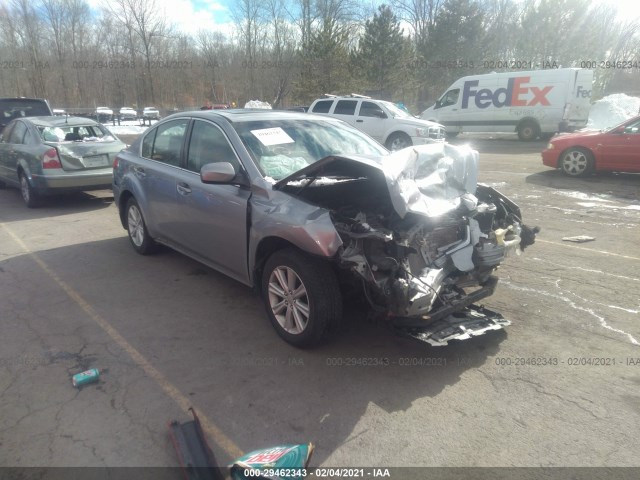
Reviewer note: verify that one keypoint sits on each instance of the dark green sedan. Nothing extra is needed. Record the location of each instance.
(50, 155)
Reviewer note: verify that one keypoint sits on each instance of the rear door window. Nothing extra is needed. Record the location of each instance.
(167, 145)
(18, 133)
(346, 107)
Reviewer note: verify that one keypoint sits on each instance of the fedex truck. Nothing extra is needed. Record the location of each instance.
(533, 104)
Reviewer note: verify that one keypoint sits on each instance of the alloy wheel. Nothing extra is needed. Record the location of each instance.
(288, 300)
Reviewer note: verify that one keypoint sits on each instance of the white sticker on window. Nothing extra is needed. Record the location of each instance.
(272, 136)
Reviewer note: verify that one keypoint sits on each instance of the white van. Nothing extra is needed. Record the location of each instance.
(533, 104)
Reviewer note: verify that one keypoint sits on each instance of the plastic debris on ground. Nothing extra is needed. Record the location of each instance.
(578, 239)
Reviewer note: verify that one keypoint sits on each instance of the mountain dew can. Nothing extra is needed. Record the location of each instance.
(89, 376)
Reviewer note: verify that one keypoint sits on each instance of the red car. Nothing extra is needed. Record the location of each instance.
(582, 153)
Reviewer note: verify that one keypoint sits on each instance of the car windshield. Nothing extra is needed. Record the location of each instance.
(396, 111)
(74, 133)
(282, 147)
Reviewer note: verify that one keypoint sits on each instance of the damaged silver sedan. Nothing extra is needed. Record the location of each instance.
(303, 207)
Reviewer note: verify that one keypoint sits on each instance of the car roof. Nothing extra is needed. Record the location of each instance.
(349, 97)
(58, 121)
(23, 98)
(238, 115)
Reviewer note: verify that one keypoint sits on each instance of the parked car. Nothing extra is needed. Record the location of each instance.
(104, 114)
(384, 121)
(50, 155)
(128, 113)
(585, 152)
(11, 108)
(291, 202)
(151, 113)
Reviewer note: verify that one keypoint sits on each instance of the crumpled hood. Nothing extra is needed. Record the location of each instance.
(429, 180)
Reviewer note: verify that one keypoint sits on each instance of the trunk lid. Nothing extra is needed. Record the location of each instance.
(87, 155)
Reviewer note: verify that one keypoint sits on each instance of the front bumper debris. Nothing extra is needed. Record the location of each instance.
(471, 321)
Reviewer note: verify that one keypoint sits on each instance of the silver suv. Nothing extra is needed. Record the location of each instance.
(383, 121)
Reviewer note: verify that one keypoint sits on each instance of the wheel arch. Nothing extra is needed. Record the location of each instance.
(267, 247)
(122, 206)
(270, 245)
(23, 167)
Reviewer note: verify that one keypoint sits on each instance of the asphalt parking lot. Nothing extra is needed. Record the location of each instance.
(559, 387)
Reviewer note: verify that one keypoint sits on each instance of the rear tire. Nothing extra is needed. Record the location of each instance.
(29, 194)
(576, 162)
(137, 229)
(301, 296)
(528, 131)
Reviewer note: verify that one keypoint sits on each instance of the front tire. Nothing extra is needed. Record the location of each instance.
(398, 141)
(29, 194)
(301, 296)
(576, 162)
(137, 229)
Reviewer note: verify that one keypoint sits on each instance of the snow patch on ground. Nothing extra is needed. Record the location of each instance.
(583, 196)
(127, 129)
(612, 110)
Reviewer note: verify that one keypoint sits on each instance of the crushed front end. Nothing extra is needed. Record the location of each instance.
(419, 236)
(427, 260)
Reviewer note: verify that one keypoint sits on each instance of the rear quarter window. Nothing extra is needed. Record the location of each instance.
(323, 106)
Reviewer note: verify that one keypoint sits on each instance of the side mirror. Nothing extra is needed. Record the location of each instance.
(221, 172)
(379, 114)
(619, 130)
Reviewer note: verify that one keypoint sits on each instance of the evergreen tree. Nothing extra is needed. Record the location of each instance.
(382, 52)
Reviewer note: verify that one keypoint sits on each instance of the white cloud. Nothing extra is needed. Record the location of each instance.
(190, 16)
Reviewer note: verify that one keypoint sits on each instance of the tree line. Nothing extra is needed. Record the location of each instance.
(289, 52)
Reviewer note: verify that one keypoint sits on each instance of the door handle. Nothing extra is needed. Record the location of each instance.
(183, 188)
(359, 121)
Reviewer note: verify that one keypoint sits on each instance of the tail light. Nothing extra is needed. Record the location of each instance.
(50, 159)
(115, 162)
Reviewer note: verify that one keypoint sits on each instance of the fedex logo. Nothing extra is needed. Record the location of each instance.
(514, 95)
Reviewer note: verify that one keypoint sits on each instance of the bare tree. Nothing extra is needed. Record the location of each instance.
(421, 16)
(249, 16)
(56, 15)
(144, 20)
(27, 25)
